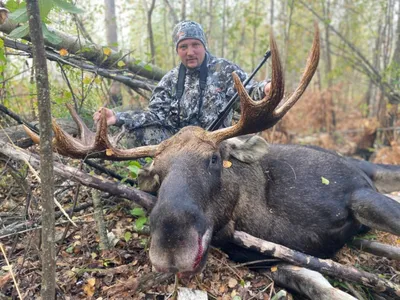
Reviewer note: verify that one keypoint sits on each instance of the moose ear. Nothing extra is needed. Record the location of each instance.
(248, 148)
(148, 180)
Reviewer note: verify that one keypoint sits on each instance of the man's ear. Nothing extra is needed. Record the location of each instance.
(248, 148)
(148, 180)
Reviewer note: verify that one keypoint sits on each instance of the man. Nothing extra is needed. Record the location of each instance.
(192, 94)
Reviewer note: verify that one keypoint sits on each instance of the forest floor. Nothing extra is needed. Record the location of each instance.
(85, 272)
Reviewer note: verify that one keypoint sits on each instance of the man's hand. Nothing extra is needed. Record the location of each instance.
(267, 88)
(110, 116)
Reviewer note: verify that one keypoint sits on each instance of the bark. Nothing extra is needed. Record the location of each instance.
(377, 248)
(112, 41)
(183, 9)
(324, 266)
(223, 29)
(150, 29)
(99, 217)
(94, 53)
(172, 12)
(329, 110)
(306, 282)
(46, 152)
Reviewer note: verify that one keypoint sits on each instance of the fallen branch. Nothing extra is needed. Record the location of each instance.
(306, 282)
(130, 79)
(141, 198)
(376, 248)
(94, 53)
(324, 266)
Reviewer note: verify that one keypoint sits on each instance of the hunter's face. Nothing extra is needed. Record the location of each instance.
(191, 53)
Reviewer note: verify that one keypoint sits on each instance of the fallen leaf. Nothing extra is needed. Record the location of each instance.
(63, 52)
(232, 282)
(227, 164)
(324, 180)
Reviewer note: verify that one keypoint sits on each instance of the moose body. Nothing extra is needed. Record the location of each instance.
(305, 198)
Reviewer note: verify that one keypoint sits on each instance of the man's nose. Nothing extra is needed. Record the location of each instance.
(190, 50)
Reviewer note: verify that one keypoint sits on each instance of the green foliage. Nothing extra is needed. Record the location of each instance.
(142, 218)
(19, 15)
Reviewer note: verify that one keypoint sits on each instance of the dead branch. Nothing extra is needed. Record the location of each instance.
(141, 198)
(130, 79)
(376, 248)
(324, 266)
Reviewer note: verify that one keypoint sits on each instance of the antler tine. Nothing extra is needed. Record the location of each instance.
(256, 115)
(84, 132)
(90, 144)
(260, 115)
(311, 67)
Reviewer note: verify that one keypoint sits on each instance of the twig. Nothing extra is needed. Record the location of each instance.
(10, 270)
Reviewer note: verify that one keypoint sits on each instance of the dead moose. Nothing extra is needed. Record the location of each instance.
(212, 183)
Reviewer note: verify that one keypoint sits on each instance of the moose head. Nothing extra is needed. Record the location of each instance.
(197, 188)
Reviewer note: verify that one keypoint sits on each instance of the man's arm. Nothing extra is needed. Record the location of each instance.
(156, 113)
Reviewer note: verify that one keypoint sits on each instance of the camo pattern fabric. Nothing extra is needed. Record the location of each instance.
(161, 119)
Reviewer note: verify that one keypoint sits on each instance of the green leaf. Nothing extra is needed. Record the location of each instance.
(69, 7)
(138, 211)
(324, 180)
(148, 67)
(19, 16)
(127, 236)
(140, 223)
(19, 32)
(13, 5)
(45, 7)
(70, 249)
(50, 36)
(1, 43)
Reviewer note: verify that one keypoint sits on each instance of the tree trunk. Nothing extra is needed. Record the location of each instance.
(223, 29)
(46, 152)
(112, 42)
(149, 13)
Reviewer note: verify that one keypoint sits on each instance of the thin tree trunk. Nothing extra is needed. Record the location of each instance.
(112, 42)
(183, 9)
(254, 46)
(150, 29)
(46, 152)
(223, 29)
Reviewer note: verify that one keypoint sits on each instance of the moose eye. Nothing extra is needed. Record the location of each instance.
(214, 159)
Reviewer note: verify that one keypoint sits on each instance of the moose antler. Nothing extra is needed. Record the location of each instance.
(90, 144)
(260, 115)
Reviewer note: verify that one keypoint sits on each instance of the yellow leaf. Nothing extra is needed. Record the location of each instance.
(227, 164)
(89, 290)
(324, 180)
(91, 281)
(121, 64)
(107, 51)
(274, 269)
(86, 80)
(63, 52)
(109, 152)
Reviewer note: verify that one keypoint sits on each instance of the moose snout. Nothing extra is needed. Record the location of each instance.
(179, 240)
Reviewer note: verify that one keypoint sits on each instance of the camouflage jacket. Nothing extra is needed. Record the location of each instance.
(163, 107)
